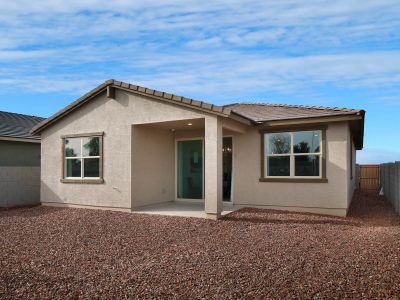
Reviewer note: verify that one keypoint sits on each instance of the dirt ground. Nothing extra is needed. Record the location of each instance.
(77, 253)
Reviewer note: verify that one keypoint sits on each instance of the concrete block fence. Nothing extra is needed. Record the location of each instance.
(19, 186)
(390, 181)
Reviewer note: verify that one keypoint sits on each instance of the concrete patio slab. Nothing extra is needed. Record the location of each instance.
(181, 209)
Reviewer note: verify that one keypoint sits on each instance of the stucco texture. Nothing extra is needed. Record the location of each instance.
(153, 166)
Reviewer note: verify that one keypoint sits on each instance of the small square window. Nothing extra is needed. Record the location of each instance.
(91, 168)
(307, 142)
(278, 143)
(73, 148)
(83, 158)
(73, 168)
(278, 166)
(91, 146)
(307, 165)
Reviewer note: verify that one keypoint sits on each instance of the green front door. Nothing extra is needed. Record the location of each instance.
(190, 169)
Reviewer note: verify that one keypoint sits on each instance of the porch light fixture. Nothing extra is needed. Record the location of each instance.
(190, 124)
(227, 149)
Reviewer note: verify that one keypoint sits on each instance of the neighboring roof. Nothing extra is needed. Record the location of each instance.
(13, 125)
(264, 112)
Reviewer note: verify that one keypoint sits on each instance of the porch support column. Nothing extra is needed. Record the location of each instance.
(213, 167)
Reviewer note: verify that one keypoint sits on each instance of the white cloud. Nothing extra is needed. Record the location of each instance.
(194, 47)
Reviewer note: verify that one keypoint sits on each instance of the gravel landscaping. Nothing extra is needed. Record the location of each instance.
(78, 253)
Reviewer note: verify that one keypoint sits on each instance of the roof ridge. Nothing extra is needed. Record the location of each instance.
(298, 106)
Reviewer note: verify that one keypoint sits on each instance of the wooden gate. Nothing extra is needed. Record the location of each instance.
(369, 178)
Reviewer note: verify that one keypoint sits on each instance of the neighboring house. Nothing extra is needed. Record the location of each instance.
(122, 146)
(19, 160)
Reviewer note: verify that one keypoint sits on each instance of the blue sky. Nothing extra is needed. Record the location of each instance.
(330, 53)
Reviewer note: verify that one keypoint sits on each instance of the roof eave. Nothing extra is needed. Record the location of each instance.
(314, 119)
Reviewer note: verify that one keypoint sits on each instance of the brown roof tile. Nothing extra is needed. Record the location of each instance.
(264, 112)
(206, 105)
(125, 85)
(186, 100)
(167, 96)
(176, 98)
(196, 103)
(158, 94)
(141, 89)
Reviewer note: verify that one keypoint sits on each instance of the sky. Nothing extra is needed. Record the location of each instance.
(343, 53)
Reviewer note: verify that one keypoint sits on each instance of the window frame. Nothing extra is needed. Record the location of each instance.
(292, 178)
(82, 179)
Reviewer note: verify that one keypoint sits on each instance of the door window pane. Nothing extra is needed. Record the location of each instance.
(307, 165)
(278, 165)
(72, 147)
(190, 169)
(73, 167)
(91, 167)
(91, 146)
(307, 142)
(278, 143)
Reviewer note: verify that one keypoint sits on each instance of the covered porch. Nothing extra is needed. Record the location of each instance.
(179, 167)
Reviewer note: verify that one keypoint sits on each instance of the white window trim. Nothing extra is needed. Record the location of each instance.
(82, 158)
(292, 156)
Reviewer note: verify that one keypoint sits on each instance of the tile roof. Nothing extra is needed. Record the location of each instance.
(264, 112)
(253, 112)
(18, 126)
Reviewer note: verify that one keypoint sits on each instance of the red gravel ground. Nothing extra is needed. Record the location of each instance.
(77, 253)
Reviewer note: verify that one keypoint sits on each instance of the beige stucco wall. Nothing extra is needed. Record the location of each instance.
(153, 166)
(331, 197)
(115, 118)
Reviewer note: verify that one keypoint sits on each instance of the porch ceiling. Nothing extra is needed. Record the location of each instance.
(188, 124)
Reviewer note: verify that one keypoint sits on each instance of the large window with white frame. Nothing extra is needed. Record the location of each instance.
(293, 154)
(82, 157)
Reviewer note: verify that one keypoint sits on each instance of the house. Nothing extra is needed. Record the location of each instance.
(19, 160)
(122, 146)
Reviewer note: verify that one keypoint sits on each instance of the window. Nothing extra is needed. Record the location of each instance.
(82, 158)
(293, 155)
